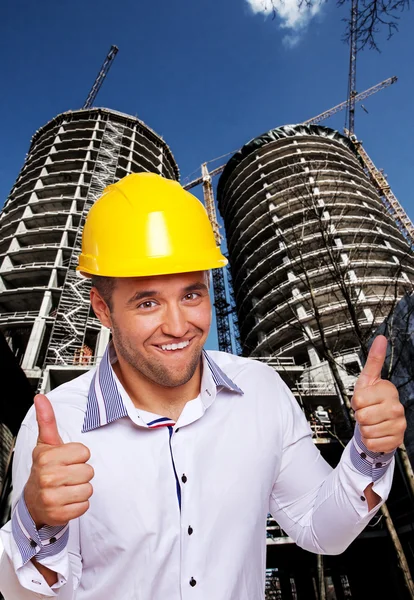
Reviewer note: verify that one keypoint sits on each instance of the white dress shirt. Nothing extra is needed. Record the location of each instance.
(179, 509)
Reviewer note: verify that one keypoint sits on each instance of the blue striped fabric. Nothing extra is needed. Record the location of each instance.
(49, 540)
(111, 406)
(371, 464)
(219, 377)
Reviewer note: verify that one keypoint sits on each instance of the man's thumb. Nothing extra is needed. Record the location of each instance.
(371, 373)
(48, 431)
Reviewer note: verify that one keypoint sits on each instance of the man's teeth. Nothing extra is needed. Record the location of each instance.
(179, 346)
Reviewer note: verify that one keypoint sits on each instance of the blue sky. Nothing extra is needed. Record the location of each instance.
(206, 75)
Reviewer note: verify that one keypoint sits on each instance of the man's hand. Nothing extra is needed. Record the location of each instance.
(377, 407)
(58, 488)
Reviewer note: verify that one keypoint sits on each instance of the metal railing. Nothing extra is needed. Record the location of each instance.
(19, 315)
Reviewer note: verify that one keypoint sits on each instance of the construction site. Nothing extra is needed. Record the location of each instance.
(320, 254)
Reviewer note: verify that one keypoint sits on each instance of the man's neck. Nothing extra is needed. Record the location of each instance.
(151, 397)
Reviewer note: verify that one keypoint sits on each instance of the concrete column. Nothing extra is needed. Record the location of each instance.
(313, 356)
(34, 345)
(45, 386)
(161, 165)
(37, 334)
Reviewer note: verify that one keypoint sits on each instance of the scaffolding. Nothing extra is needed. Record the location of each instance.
(68, 333)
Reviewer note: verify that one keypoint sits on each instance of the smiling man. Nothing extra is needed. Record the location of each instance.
(187, 450)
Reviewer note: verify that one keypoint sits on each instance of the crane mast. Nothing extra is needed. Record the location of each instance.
(350, 122)
(221, 305)
(100, 77)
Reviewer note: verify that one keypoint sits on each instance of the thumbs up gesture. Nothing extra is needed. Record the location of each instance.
(377, 407)
(58, 488)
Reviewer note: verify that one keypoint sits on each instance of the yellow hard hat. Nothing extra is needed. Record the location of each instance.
(147, 225)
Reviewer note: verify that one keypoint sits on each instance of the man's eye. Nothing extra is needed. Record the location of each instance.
(146, 304)
(192, 296)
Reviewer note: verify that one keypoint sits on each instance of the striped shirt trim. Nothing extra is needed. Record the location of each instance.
(49, 540)
(161, 422)
(219, 377)
(371, 464)
(105, 403)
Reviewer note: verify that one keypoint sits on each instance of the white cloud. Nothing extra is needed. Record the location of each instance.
(290, 14)
(292, 40)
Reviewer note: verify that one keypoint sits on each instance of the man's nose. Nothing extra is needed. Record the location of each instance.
(175, 322)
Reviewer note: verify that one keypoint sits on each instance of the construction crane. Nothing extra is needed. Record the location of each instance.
(390, 202)
(378, 179)
(355, 98)
(221, 305)
(313, 121)
(101, 76)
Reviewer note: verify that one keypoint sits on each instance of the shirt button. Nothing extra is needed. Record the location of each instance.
(184, 478)
(33, 544)
(378, 465)
(363, 455)
(52, 540)
(193, 582)
(190, 530)
(363, 498)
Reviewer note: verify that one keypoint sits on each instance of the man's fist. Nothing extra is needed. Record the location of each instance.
(58, 488)
(377, 407)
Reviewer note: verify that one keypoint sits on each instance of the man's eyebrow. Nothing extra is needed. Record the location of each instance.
(139, 295)
(193, 287)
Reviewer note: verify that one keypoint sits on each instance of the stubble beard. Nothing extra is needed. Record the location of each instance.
(154, 369)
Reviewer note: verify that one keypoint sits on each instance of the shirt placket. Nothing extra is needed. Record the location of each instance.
(181, 456)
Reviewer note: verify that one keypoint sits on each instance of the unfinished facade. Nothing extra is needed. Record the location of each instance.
(44, 306)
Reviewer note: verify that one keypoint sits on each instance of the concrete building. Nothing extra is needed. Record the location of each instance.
(71, 159)
(307, 234)
(317, 263)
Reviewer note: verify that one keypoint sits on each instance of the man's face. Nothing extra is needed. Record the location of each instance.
(149, 313)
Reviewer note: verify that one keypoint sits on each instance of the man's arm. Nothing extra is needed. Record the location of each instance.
(324, 509)
(47, 560)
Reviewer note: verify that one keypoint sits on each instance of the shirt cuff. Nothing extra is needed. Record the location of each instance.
(31, 542)
(371, 464)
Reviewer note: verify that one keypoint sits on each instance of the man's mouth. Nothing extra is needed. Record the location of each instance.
(174, 347)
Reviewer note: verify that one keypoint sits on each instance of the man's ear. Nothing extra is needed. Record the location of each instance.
(100, 308)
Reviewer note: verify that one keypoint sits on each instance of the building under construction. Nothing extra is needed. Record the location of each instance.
(317, 264)
(44, 306)
(296, 203)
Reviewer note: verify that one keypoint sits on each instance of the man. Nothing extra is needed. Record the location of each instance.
(187, 450)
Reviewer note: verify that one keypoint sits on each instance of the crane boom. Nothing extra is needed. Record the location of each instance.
(328, 113)
(358, 98)
(101, 76)
(391, 203)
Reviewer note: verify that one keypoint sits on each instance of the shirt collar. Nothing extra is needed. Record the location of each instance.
(105, 403)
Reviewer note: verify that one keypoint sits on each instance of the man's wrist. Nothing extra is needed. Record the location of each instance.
(50, 576)
(372, 464)
(33, 542)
